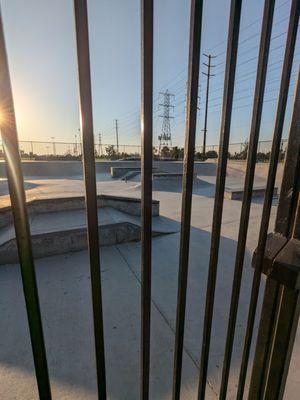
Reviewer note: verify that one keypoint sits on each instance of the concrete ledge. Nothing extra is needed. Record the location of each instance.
(118, 172)
(66, 241)
(169, 175)
(237, 193)
(129, 205)
(61, 242)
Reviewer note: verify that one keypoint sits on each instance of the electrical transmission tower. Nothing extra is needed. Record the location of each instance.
(165, 139)
(208, 75)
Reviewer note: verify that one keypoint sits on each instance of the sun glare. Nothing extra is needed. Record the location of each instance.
(2, 118)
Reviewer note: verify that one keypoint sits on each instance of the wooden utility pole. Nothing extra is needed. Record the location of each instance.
(208, 75)
(100, 145)
(117, 135)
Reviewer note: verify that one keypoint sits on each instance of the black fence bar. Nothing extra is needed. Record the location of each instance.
(85, 94)
(248, 186)
(296, 232)
(9, 135)
(281, 107)
(286, 210)
(146, 191)
(231, 59)
(283, 344)
(187, 185)
(290, 179)
(266, 331)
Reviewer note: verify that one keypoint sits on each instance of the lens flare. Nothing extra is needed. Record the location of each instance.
(1, 118)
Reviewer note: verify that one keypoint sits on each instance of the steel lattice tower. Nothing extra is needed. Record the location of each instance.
(165, 139)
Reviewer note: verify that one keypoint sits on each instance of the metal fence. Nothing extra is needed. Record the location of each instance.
(276, 256)
(35, 150)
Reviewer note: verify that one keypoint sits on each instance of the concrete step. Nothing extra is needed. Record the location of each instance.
(65, 231)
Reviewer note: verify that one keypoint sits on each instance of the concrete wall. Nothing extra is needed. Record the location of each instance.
(67, 169)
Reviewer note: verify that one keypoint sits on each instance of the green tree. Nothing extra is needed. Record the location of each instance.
(110, 151)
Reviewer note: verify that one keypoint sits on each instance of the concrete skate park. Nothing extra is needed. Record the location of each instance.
(55, 197)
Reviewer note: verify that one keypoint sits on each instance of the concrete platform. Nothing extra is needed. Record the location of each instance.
(38, 205)
(237, 192)
(65, 231)
(119, 172)
(58, 225)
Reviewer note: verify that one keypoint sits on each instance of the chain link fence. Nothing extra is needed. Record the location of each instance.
(37, 150)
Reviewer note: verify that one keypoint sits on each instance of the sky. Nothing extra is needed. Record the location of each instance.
(40, 39)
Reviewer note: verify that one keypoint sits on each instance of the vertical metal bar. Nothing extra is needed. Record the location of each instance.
(267, 327)
(290, 179)
(146, 191)
(9, 135)
(85, 94)
(296, 228)
(283, 345)
(281, 107)
(231, 58)
(248, 186)
(187, 185)
(283, 225)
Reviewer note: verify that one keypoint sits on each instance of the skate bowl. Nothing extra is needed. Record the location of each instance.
(73, 169)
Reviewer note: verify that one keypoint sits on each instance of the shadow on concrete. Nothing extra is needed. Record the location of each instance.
(65, 298)
(4, 186)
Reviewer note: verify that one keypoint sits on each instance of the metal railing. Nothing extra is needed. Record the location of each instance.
(280, 312)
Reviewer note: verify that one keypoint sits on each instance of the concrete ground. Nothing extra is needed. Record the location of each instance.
(65, 298)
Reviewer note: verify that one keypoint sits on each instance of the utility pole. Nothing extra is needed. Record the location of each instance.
(75, 145)
(117, 135)
(100, 145)
(208, 75)
(53, 144)
(165, 139)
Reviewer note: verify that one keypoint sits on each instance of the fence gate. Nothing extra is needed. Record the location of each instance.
(277, 255)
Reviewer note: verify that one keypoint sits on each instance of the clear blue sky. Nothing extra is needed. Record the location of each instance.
(41, 48)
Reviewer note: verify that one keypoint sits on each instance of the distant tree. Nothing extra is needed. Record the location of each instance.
(244, 152)
(165, 152)
(177, 153)
(199, 156)
(211, 154)
(242, 155)
(110, 151)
